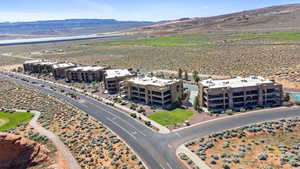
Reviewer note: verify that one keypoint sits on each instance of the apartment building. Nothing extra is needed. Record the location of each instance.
(28, 65)
(237, 93)
(59, 70)
(153, 91)
(38, 66)
(85, 74)
(114, 77)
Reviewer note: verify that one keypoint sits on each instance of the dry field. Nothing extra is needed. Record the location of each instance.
(270, 145)
(92, 144)
(274, 55)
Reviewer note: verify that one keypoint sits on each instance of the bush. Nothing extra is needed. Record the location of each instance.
(141, 110)
(133, 115)
(243, 110)
(262, 156)
(229, 112)
(297, 103)
(213, 162)
(287, 104)
(148, 123)
(225, 166)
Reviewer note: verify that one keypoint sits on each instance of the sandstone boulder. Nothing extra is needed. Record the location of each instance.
(18, 152)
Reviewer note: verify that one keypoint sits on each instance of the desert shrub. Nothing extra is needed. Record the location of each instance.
(215, 157)
(213, 162)
(224, 155)
(262, 156)
(183, 156)
(225, 166)
(133, 157)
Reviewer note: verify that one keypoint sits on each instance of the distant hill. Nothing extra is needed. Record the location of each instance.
(274, 18)
(70, 26)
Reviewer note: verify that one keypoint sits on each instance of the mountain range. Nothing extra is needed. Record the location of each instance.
(274, 18)
(69, 26)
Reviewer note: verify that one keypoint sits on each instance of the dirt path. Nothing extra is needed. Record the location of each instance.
(63, 150)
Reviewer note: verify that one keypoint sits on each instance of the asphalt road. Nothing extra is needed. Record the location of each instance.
(156, 150)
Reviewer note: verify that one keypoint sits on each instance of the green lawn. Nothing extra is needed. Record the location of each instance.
(11, 120)
(172, 117)
(174, 40)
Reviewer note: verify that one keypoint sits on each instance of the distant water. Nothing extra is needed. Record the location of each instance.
(54, 39)
(296, 96)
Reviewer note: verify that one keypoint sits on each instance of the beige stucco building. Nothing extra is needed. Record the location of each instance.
(114, 77)
(85, 74)
(153, 90)
(59, 70)
(237, 93)
(38, 66)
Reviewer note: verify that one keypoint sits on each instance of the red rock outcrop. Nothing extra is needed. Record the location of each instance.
(18, 152)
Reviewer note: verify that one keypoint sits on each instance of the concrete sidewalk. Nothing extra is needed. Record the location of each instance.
(161, 129)
(67, 155)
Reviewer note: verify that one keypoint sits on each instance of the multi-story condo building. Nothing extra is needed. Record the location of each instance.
(153, 90)
(85, 74)
(38, 66)
(237, 93)
(59, 70)
(114, 77)
(28, 65)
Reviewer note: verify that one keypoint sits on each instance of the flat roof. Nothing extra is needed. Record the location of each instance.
(112, 73)
(32, 61)
(63, 65)
(153, 81)
(46, 63)
(86, 68)
(236, 82)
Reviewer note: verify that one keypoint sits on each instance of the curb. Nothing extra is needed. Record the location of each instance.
(197, 161)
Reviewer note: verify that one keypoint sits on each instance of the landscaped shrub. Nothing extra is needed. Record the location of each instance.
(141, 110)
(229, 112)
(287, 104)
(133, 115)
(148, 123)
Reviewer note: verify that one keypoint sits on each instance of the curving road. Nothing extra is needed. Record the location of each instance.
(156, 150)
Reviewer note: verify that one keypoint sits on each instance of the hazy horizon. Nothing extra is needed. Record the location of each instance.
(127, 10)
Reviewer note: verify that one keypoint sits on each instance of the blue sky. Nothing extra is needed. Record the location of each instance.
(151, 10)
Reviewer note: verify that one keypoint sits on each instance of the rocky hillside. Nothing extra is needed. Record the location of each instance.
(18, 152)
(274, 18)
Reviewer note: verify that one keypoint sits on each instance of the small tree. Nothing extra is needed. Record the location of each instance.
(95, 86)
(178, 101)
(196, 76)
(186, 76)
(286, 97)
(196, 103)
(180, 73)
